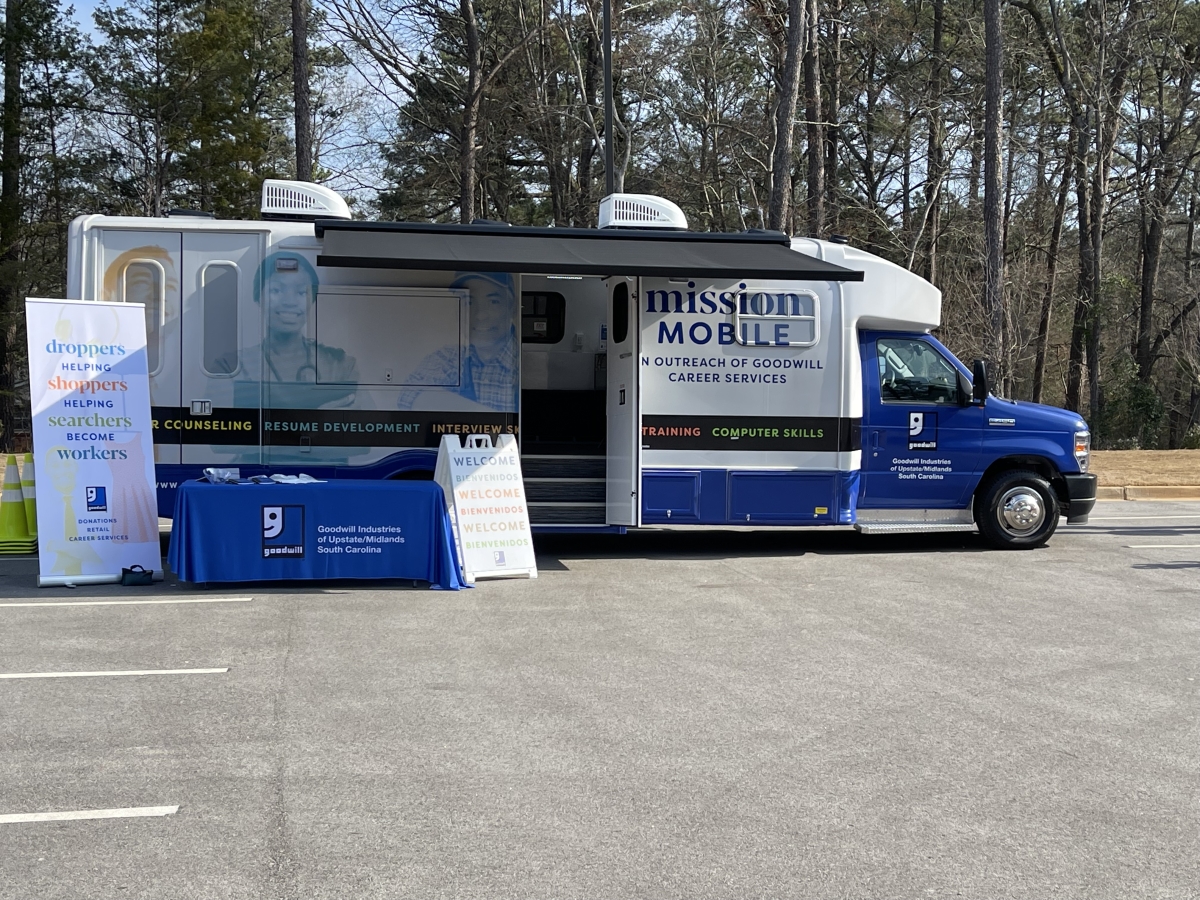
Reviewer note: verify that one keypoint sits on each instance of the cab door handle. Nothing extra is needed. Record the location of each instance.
(875, 440)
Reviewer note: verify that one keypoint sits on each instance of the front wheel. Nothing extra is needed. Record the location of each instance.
(1017, 511)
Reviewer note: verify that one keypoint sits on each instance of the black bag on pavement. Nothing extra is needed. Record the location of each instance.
(136, 576)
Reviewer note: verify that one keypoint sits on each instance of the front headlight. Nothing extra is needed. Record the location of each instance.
(1083, 449)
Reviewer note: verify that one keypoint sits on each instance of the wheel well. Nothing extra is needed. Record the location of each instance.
(1039, 464)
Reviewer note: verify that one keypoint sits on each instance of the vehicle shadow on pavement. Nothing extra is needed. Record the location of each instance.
(1146, 531)
(718, 544)
(1167, 565)
(18, 575)
(18, 581)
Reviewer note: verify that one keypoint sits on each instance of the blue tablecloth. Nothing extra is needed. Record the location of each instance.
(335, 529)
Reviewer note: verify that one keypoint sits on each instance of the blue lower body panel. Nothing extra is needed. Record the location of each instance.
(758, 497)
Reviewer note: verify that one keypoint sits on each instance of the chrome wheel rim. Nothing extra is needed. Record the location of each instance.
(1021, 511)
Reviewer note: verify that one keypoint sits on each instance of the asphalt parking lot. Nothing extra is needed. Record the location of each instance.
(665, 715)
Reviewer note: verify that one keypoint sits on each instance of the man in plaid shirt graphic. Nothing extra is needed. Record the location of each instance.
(489, 367)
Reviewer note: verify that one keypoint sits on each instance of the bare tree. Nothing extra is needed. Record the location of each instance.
(382, 32)
(993, 209)
(1168, 141)
(812, 112)
(833, 102)
(10, 205)
(934, 156)
(786, 96)
(1056, 229)
(301, 90)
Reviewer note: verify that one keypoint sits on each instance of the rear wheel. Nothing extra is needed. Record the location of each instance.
(1017, 511)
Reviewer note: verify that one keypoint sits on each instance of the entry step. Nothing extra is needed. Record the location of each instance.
(563, 467)
(914, 521)
(566, 514)
(564, 489)
(913, 527)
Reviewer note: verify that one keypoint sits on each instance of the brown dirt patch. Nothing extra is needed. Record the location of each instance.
(1117, 468)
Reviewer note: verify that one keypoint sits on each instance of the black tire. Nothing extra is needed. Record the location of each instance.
(1017, 510)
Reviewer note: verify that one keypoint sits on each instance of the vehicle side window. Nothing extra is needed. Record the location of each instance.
(620, 306)
(220, 296)
(143, 281)
(543, 318)
(911, 371)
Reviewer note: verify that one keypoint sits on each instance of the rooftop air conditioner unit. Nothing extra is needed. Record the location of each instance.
(301, 201)
(641, 211)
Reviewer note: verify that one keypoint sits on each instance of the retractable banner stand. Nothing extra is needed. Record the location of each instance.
(485, 496)
(92, 440)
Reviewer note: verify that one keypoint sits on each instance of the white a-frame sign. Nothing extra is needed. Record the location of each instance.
(485, 496)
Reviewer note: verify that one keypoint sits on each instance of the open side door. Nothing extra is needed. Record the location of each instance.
(622, 488)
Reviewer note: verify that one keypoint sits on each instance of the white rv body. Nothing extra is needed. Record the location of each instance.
(643, 398)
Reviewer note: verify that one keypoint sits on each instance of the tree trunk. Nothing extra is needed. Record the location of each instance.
(1075, 360)
(934, 157)
(832, 129)
(993, 209)
(1108, 119)
(812, 112)
(1085, 293)
(787, 94)
(1010, 336)
(1152, 241)
(467, 176)
(1190, 245)
(974, 159)
(10, 212)
(1177, 415)
(585, 215)
(1043, 337)
(301, 90)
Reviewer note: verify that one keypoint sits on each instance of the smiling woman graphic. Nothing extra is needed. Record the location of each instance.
(287, 358)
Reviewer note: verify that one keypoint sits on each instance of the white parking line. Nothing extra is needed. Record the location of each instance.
(1116, 518)
(131, 602)
(102, 674)
(129, 812)
(1163, 546)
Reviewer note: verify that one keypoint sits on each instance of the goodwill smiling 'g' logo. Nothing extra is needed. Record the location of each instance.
(922, 431)
(283, 532)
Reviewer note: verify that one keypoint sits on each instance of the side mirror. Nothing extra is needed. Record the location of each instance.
(980, 388)
(965, 389)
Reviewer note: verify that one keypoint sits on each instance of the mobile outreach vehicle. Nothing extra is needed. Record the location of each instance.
(654, 376)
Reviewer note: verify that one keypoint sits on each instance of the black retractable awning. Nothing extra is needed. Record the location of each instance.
(569, 251)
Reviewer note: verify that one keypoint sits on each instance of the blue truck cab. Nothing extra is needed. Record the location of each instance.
(936, 439)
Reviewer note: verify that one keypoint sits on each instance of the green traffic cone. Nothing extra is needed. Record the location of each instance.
(14, 533)
(29, 493)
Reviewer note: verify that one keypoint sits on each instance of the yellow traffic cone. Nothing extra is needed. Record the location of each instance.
(14, 534)
(29, 493)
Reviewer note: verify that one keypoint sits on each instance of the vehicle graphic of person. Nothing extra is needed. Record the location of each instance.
(489, 368)
(287, 359)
